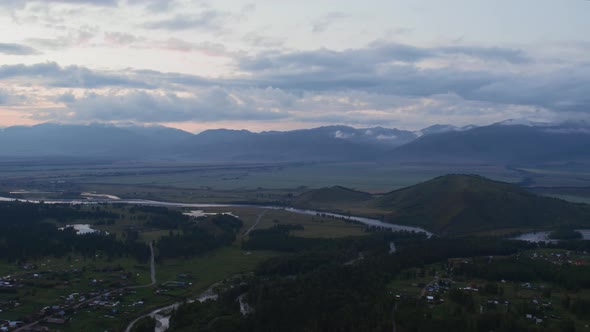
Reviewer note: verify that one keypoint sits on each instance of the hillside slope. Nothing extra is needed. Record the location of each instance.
(334, 198)
(461, 204)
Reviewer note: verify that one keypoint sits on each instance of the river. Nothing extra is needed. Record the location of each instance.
(362, 220)
(544, 236)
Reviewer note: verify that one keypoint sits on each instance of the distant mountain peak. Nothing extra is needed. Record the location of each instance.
(442, 128)
(523, 122)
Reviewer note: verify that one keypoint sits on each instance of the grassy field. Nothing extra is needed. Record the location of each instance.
(314, 226)
(194, 177)
(211, 183)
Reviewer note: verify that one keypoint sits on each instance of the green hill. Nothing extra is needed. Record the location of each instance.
(461, 204)
(334, 198)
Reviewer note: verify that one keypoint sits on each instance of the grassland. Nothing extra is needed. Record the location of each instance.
(314, 226)
(184, 178)
(235, 182)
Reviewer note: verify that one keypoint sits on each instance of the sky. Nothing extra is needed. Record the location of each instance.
(282, 64)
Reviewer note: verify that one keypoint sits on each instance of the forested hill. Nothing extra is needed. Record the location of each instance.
(458, 205)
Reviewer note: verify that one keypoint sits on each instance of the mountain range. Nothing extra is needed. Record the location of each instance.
(504, 142)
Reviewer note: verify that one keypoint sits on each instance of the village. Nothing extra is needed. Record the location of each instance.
(108, 291)
(438, 285)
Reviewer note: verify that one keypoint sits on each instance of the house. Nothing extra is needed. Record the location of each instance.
(59, 321)
(458, 261)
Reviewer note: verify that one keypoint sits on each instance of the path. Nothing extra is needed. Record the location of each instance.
(152, 270)
(255, 224)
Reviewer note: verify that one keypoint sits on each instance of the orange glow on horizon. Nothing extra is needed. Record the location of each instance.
(255, 126)
(15, 118)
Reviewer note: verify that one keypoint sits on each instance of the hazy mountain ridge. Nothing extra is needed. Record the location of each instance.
(505, 142)
(502, 143)
(333, 143)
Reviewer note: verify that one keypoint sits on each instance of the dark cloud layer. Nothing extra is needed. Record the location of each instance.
(212, 104)
(22, 3)
(206, 20)
(377, 53)
(16, 49)
(154, 5)
(393, 69)
(51, 74)
(336, 85)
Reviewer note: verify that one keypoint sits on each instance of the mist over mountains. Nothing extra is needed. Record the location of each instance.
(506, 142)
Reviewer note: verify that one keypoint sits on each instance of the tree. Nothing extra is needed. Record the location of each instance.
(145, 324)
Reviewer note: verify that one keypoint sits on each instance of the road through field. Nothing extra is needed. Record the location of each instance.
(255, 224)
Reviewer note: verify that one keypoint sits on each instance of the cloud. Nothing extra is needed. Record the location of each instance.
(342, 135)
(562, 90)
(373, 109)
(89, 2)
(12, 98)
(212, 49)
(155, 5)
(211, 104)
(514, 56)
(207, 48)
(321, 24)
(120, 38)
(3, 97)
(23, 3)
(386, 137)
(383, 83)
(53, 75)
(17, 49)
(75, 37)
(504, 75)
(329, 72)
(205, 20)
(370, 57)
(259, 40)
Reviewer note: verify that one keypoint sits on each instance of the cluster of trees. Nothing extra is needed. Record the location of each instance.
(219, 316)
(26, 233)
(161, 217)
(565, 234)
(62, 213)
(146, 324)
(314, 288)
(317, 291)
(525, 270)
(278, 238)
(194, 238)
